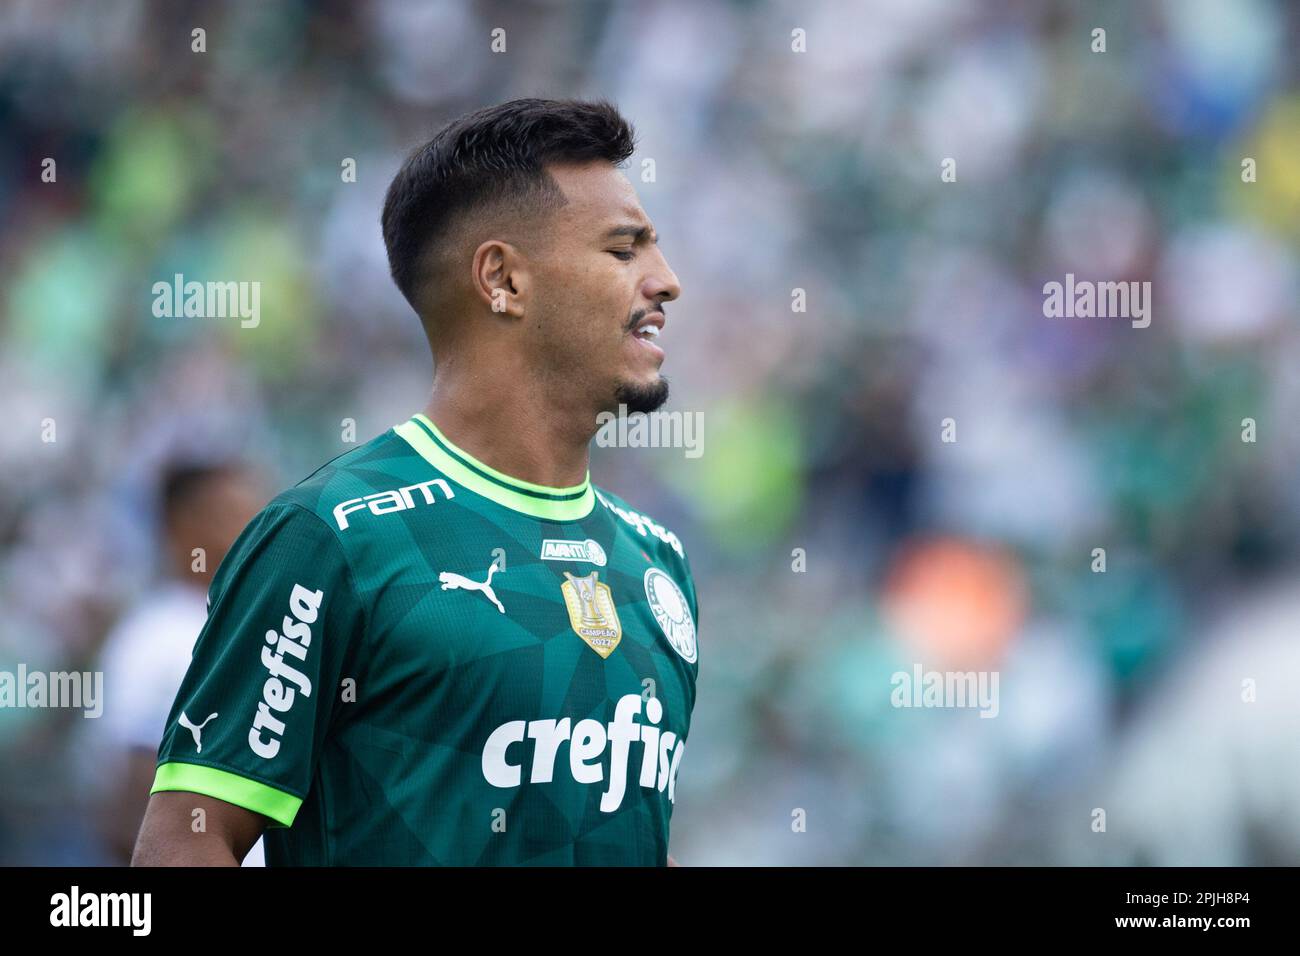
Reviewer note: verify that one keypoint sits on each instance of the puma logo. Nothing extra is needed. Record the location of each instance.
(451, 581)
(195, 731)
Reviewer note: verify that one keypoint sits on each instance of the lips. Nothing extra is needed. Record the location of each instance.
(650, 326)
(647, 330)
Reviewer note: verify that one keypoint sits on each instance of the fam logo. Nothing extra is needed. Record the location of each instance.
(386, 502)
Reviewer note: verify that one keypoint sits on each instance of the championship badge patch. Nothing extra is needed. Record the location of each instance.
(591, 612)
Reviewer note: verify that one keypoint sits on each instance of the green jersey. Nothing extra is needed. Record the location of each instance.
(412, 658)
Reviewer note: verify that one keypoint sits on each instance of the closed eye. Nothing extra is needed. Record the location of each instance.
(624, 255)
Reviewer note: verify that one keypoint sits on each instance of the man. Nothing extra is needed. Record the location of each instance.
(447, 646)
(202, 507)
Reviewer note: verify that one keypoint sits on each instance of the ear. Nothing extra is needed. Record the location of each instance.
(500, 278)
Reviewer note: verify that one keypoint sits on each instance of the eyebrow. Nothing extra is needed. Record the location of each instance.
(638, 233)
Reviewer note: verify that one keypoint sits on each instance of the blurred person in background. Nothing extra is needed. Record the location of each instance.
(1209, 772)
(202, 508)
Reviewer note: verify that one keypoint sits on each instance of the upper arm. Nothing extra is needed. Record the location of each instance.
(250, 719)
(190, 829)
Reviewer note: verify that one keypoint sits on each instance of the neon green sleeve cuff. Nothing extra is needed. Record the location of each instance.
(250, 794)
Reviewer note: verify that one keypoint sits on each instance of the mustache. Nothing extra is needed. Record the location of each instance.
(640, 314)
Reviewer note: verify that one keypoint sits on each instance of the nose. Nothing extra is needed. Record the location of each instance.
(661, 284)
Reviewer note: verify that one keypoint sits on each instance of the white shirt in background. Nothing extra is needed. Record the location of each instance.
(145, 660)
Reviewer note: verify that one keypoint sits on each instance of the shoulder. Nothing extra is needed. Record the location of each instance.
(664, 542)
(669, 583)
(643, 523)
(349, 495)
(384, 467)
(305, 524)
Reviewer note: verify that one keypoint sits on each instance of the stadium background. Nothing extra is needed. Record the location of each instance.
(775, 171)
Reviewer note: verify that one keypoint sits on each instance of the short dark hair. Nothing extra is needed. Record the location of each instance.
(183, 482)
(494, 155)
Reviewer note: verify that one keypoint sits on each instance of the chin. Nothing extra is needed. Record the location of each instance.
(642, 397)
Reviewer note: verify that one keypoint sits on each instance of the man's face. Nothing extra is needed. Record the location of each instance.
(601, 286)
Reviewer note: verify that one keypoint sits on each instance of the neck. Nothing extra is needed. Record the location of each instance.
(508, 419)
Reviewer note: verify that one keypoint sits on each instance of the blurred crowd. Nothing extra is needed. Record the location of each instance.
(905, 462)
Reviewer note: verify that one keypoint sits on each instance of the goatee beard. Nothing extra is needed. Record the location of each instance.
(642, 398)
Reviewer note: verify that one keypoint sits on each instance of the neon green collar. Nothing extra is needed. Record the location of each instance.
(540, 501)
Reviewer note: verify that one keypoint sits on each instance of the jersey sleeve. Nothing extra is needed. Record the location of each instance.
(693, 603)
(249, 721)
